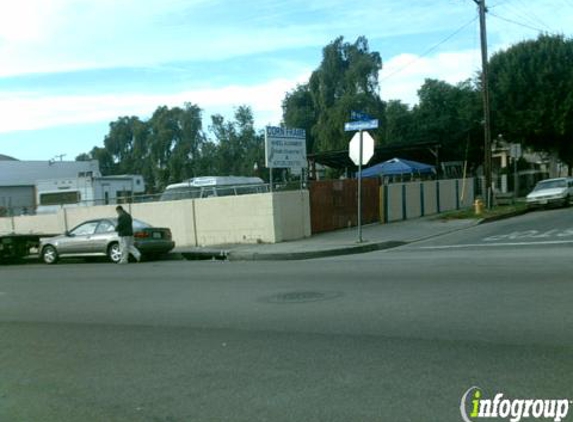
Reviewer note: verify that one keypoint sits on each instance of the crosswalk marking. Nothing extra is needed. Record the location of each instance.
(489, 245)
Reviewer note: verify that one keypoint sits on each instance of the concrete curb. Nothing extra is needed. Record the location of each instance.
(324, 253)
(238, 255)
(205, 254)
(504, 216)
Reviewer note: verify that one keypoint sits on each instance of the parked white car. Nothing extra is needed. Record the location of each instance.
(550, 192)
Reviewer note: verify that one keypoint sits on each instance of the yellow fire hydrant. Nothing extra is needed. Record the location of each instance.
(478, 206)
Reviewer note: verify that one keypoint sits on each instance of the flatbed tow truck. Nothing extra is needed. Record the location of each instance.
(15, 247)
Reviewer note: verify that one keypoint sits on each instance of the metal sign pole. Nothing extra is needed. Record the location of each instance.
(360, 191)
(357, 145)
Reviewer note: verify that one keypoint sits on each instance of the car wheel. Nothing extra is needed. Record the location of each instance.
(49, 255)
(114, 252)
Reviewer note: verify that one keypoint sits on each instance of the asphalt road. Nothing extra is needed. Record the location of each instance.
(397, 335)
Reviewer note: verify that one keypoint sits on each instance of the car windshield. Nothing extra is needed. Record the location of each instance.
(137, 224)
(550, 184)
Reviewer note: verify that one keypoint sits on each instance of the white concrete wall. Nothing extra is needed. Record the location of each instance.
(414, 205)
(467, 194)
(176, 215)
(77, 215)
(50, 223)
(430, 198)
(394, 205)
(292, 215)
(260, 218)
(448, 199)
(235, 219)
(393, 210)
(5, 225)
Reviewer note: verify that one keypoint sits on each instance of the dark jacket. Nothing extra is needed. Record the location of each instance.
(124, 225)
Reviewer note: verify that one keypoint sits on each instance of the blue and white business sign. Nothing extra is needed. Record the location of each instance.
(285, 148)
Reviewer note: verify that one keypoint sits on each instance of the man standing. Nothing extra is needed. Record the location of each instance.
(125, 232)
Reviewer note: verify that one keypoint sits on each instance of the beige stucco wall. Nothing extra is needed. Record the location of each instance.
(266, 218)
(75, 216)
(235, 219)
(292, 215)
(5, 225)
(49, 223)
(176, 215)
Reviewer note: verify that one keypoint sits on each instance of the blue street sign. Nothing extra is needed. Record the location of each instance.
(359, 116)
(361, 125)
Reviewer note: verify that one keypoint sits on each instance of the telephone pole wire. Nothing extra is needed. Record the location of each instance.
(487, 165)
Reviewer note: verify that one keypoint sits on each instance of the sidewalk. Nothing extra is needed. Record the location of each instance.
(341, 242)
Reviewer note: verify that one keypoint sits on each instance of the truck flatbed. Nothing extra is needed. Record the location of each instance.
(15, 246)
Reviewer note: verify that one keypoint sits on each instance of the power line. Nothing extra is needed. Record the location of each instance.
(534, 16)
(499, 3)
(429, 50)
(516, 12)
(517, 23)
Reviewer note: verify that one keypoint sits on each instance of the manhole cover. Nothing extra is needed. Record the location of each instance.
(301, 297)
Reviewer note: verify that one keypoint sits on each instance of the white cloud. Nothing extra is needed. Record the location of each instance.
(403, 75)
(39, 36)
(27, 111)
(28, 21)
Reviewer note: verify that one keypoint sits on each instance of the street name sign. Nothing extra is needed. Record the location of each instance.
(361, 125)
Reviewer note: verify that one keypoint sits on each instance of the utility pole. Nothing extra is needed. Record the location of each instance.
(487, 167)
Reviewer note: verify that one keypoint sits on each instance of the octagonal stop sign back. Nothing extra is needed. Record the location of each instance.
(367, 148)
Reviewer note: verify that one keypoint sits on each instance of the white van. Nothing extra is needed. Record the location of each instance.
(213, 186)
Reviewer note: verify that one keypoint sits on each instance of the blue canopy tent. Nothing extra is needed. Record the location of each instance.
(398, 167)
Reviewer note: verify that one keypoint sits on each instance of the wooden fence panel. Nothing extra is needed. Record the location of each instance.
(334, 204)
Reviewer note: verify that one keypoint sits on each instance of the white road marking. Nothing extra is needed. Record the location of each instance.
(531, 234)
(489, 245)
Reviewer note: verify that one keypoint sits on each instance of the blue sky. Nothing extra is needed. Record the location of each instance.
(69, 67)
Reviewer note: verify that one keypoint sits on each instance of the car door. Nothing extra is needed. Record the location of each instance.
(104, 234)
(78, 240)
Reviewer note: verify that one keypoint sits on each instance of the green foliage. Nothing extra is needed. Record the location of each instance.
(451, 115)
(171, 146)
(239, 145)
(531, 87)
(299, 112)
(398, 123)
(347, 79)
(106, 164)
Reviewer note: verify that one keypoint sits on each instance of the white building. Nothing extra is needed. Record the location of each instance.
(18, 180)
(86, 190)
